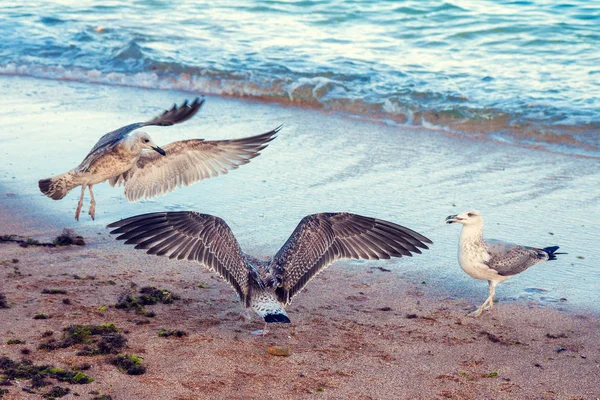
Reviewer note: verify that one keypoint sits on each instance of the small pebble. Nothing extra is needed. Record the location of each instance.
(283, 351)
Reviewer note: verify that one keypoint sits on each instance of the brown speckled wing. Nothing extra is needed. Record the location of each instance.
(107, 142)
(187, 162)
(510, 259)
(177, 115)
(187, 235)
(321, 239)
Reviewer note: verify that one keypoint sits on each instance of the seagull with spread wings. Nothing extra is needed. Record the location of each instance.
(119, 158)
(267, 286)
(490, 259)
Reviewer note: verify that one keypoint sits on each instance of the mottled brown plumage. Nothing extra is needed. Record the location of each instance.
(266, 286)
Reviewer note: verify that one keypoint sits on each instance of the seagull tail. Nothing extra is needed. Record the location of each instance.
(551, 251)
(58, 186)
(266, 306)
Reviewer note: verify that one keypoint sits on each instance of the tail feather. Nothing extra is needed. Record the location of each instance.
(264, 303)
(551, 251)
(282, 318)
(58, 186)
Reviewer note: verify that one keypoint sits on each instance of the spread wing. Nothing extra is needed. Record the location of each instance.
(173, 116)
(321, 239)
(191, 236)
(187, 162)
(510, 259)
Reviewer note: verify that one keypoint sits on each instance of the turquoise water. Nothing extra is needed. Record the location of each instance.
(520, 71)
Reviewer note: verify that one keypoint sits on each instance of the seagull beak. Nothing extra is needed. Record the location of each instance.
(452, 218)
(159, 150)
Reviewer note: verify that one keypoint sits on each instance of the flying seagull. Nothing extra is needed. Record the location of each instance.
(493, 260)
(119, 158)
(267, 286)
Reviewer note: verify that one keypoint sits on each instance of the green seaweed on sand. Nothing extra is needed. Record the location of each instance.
(148, 295)
(15, 341)
(151, 295)
(39, 375)
(41, 316)
(98, 339)
(129, 363)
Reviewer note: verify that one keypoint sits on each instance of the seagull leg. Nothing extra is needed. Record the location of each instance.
(488, 304)
(92, 211)
(477, 312)
(261, 332)
(492, 293)
(245, 316)
(80, 204)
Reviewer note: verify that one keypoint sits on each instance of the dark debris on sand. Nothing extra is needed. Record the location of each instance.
(39, 376)
(57, 392)
(171, 332)
(148, 295)
(69, 237)
(24, 242)
(98, 339)
(129, 363)
(53, 291)
(66, 238)
(3, 302)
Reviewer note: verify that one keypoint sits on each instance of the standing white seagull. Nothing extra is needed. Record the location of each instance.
(493, 260)
(119, 158)
(267, 286)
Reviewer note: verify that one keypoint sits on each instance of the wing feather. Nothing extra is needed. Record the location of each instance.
(321, 239)
(510, 259)
(187, 162)
(184, 234)
(108, 141)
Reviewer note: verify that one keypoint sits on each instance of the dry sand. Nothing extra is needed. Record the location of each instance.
(363, 334)
(358, 332)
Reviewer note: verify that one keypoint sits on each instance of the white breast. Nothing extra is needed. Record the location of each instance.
(472, 257)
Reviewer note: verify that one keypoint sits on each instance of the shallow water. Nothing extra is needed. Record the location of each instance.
(319, 163)
(519, 71)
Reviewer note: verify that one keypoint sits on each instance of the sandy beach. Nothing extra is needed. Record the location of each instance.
(359, 331)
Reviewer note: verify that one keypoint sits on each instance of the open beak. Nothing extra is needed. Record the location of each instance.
(159, 150)
(452, 218)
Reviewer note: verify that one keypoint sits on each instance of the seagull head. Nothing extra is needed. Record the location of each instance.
(146, 142)
(470, 217)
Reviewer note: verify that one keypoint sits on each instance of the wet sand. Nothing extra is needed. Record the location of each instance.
(359, 331)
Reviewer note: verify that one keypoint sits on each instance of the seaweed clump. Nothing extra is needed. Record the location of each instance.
(171, 332)
(57, 392)
(129, 363)
(102, 397)
(54, 291)
(39, 375)
(148, 295)
(3, 302)
(69, 237)
(98, 339)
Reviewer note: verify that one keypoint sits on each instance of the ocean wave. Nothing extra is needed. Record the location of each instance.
(333, 95)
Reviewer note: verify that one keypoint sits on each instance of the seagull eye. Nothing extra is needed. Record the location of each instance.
(470, 214)
(146, 140)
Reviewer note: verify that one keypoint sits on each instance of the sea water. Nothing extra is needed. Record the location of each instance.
(526, 72)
